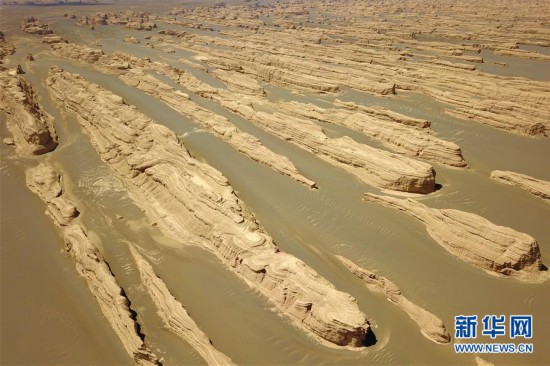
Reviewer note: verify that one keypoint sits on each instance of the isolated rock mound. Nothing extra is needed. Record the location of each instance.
(474, 239)
(32, 128)
(32, 25)
(194, 204)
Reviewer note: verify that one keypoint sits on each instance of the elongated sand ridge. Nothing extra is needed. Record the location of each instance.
(373, 166)
(430, 325)
(243, 142)
(194, 204)
(474, 239)
(174, 316)
(46, 182)
(538, 187)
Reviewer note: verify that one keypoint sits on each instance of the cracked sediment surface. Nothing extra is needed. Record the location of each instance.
(46, 182)
(537, 187)
(430, 325)
(474, 239)
(194, 204)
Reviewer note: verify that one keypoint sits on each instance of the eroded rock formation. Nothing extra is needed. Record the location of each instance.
(219, 125)
(46, 182)
(538, 187)
(32, 25)
(175, 317)
(430, 325)
(194, 204)
(393, 130)
(474, 239)
(32, 128)
(111, 297)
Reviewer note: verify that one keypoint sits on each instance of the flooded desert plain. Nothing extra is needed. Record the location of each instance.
(275, 182)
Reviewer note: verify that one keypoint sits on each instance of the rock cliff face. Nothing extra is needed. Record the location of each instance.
(6, 48)
(430, 57)
(472, 238)
(45, 181)
(194, 204)
(111, 297)
(431, 326)
(538, 187)
(174, 316)
(31, 127)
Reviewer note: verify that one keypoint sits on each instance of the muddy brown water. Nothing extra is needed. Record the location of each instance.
(49, 316)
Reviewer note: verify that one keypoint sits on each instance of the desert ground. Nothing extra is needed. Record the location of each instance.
(272, 182)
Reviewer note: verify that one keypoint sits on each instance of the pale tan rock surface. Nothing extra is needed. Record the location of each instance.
(6, 48)
(111, 297)
(194, 204)
(31, 127)
(372, 166)
(481, 362)
(243, 142)
(538, 187)
(32, 25)
(399, 137)
(180, 102)
(239, 82)
(429, 57)
(474, 239)
(173, 314)
(46, 182)
(430, 325)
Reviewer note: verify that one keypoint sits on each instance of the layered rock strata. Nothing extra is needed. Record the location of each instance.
(366, 55)
(46, 182)
(32, 25)
(180, 102)
(401, 138)
(430, 325)
(372, 166)
(219, 125)
(538, 187)
(194, 204)
(474, 239)
(175, 317)
(31, 127)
